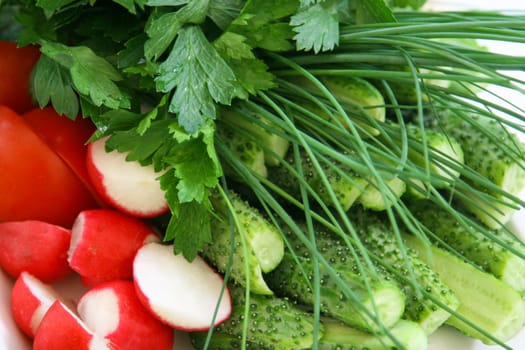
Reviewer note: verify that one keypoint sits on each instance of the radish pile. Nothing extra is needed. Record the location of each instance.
(136, 291)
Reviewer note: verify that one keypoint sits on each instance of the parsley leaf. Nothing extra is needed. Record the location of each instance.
(199, 77)
(223, 12)
(317, 26)
(163, 26)
(264, 24)
(50, 82)
(196, 166)
(91, 75)
(373, 11)
(251, 73)
(190, 229)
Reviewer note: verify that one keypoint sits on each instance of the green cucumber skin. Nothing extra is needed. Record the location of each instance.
(347, 188)
(359, 92)
(264, 244)
(379, 239)
(486, 156)
(487, 302)
(440, 146)
(273, 146)
(371, 198)
(273, 324)
(338, 336)
(246, 150)
(290, 280)
(474, 245)
(294, 280)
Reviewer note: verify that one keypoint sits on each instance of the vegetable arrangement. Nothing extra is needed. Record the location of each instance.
(287, 174)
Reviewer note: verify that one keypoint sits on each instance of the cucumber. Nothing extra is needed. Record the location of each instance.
(292, 278)
(245, 149)
(372, 198)
(445, 155)
(347, 186)
(473, 244)
(273, 324)
(359, 98)
(265, 244)
(487, 302)
(499, 159)
(358, 92)
(338, 336)
(379, 238)
(273, 145)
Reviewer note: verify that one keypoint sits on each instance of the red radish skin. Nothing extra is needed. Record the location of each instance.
(62, 329)
(125, 185)
(113, 311)
(35, 183)
(181, 294)
(30, 300)
(104, 243)
(34, 246)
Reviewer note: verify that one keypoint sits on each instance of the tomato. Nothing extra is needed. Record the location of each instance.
(16, 65)
(35, 183)
(66, 137)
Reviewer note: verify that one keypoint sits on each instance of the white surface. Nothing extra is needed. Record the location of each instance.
(446, 338)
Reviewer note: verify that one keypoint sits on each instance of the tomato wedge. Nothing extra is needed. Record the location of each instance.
(16, 64)
(66, 137)
(35, 182)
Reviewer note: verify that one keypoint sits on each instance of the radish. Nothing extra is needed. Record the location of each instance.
(30, 300)
(62, 329)
(104, 243)
(126, 185)
(182, 294)
(113, 311)
(34, 246)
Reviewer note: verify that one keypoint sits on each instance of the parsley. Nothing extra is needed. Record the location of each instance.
(90, 74)
(199, 76)
(51, 83)
(317, 26)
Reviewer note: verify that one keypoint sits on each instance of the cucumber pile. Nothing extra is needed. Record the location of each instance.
(390, 280)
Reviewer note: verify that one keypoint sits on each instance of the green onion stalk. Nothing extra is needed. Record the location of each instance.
(169, 80)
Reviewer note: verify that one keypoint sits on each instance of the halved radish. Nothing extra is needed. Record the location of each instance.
(34, 246)
(126, 185)
(30, 300)
(62, 329)
(183, 294)
(104, 243)
(114, 311)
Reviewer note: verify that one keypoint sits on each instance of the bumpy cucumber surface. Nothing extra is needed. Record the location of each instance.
(273, 324)
(473, 244)
(264, 244)
(487, 302)
(383, 300)
(245, 149)
(274, 146)
(425, 309)
(338, 336)
(499, 158)
(347, 186)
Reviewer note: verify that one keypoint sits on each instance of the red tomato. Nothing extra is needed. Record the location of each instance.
(34, 181)
(66, 137)
(16, 65)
